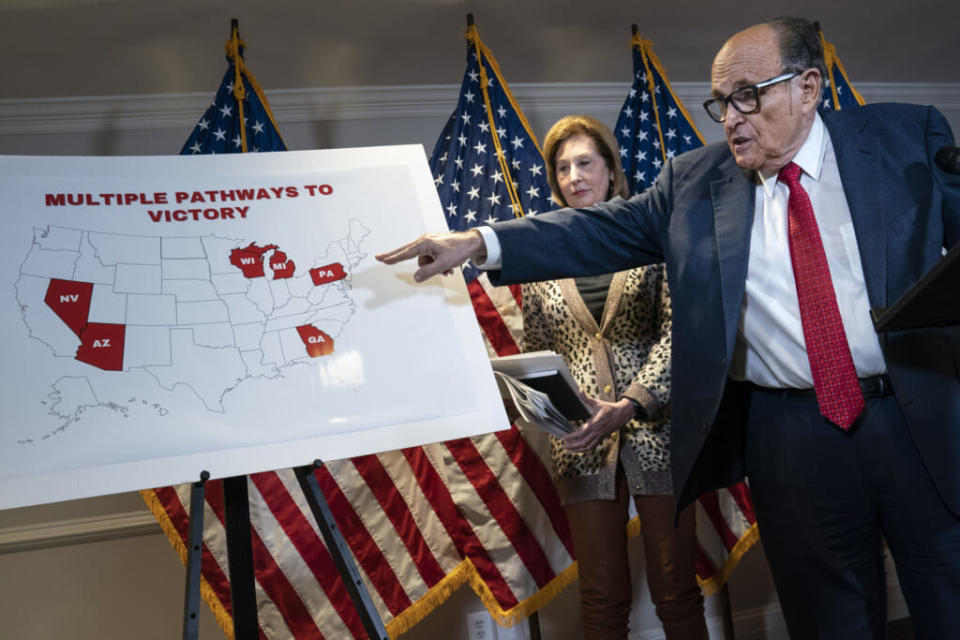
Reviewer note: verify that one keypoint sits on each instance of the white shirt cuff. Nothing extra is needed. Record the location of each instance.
(492, 243)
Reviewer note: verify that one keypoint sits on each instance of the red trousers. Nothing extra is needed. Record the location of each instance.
(599, 529)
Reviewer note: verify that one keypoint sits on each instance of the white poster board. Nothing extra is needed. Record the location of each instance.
(166, 315)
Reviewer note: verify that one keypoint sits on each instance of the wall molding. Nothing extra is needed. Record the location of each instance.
(87, 114)
(72, 531)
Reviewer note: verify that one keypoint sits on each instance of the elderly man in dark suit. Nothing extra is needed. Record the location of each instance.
(777, 244)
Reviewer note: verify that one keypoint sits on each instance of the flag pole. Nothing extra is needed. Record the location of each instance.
(234, 46)
(236, 500)
(477, 135)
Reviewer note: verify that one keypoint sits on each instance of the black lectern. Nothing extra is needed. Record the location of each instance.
(934, 301)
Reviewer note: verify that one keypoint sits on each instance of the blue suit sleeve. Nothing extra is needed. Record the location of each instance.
(611, 236)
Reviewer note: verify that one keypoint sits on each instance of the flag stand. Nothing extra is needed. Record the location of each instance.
(533, 623)
(726, 611)
(240, 556)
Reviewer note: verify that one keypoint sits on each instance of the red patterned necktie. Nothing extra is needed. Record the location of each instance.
(834, 376)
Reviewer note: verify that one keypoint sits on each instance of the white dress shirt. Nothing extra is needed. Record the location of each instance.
(770, 349)
(492, 243)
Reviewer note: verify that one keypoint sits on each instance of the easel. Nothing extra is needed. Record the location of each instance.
(240, 556)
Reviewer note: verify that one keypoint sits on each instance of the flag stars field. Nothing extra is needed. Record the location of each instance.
(498, 168)
(643, 154)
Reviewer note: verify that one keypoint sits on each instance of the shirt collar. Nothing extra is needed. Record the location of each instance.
(809, 157)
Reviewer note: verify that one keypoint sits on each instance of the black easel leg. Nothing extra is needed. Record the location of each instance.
(340, 553)
(243, 595)
(191, 598)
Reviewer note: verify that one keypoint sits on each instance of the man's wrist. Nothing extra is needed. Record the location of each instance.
(479, 249)
(491, 248)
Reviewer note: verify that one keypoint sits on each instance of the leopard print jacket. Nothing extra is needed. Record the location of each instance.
(629, 354)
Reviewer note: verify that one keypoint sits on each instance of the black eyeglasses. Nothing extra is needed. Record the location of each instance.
(746, 100)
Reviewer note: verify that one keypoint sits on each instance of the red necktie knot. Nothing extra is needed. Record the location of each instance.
(790, 174)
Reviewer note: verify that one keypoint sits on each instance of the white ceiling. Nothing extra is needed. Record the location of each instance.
(54, 48)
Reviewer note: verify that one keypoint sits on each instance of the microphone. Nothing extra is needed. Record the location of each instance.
(948, 159)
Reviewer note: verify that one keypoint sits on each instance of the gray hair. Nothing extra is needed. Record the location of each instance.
(800, 46)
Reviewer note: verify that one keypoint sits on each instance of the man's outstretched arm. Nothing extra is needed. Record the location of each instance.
(439, 252)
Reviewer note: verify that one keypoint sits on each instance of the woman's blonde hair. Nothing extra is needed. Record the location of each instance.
(606, 146)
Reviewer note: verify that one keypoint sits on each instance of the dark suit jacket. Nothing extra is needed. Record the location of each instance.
(697, 218)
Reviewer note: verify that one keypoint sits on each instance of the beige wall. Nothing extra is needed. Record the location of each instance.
(131, 47)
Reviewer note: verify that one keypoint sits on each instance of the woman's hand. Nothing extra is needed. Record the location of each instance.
(607, 417)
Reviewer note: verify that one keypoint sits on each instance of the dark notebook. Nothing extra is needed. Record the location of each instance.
(934, 301)
(546, 372)
(563, 396)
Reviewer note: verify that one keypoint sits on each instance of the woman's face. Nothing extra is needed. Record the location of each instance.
(582, 174)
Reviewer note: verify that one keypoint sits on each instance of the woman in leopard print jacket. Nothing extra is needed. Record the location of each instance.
(614, 333)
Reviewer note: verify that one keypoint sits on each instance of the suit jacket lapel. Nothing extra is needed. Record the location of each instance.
(858, 162)
(733, 204)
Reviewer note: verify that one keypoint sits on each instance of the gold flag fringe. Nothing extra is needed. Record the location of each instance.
(717, 580)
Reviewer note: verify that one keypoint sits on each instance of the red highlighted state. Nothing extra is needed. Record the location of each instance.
(101, 345)
(327, 273)
(70, 300)
(248, 261)
(318, 343)
(282, 268)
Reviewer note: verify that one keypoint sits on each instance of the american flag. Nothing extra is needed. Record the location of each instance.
(420, 522)
(654, 126)
(239, 100)
(487, 166)
(838, 93)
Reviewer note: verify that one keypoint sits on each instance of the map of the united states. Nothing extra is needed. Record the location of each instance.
(205, 312)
